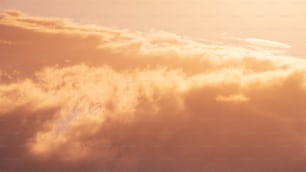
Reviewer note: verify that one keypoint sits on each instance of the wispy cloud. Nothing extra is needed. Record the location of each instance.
(267, 43)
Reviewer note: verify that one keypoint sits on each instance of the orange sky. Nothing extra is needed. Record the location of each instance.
(282, 20)
(162, 93)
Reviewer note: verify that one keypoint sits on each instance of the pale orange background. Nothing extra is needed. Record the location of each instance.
(282, 20)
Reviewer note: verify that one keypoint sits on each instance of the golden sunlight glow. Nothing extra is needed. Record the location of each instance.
(162, 86)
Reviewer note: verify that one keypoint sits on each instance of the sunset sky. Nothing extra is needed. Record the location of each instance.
(278, 20)
(152, 86)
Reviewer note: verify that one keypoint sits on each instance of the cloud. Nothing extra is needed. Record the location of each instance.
(87, 98)
(5, 42)
(267, 43)
(232, 98)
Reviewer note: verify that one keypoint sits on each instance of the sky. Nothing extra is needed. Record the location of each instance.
(91, 86)
(281, 20)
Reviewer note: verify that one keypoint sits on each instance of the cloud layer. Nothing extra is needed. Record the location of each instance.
(85, 98)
